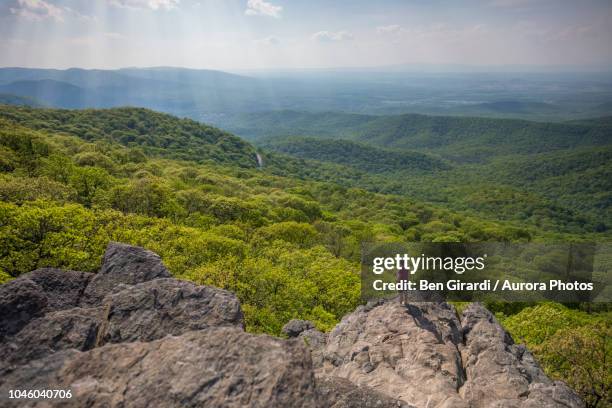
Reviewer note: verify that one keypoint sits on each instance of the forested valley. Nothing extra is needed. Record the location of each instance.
(285, 236)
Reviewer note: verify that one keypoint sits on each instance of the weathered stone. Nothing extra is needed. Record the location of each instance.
(60, 330)
(295, 326)
(336, 392)
(314, 338)
(216, 367)
(423, 355)
(161, 307)
(123, 264)
(21, 300)
(406, 352)
(498, 371)
(64, 289)
(554, 395)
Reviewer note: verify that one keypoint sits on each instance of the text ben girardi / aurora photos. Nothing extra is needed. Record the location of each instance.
(411, 265)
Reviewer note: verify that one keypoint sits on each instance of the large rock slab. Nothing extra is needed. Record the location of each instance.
(161, 307)
(216, 367)
(123, 264)
(143, 312)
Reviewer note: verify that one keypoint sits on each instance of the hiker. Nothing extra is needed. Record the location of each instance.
(402, 277)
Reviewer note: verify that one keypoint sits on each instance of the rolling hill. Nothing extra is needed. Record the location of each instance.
(546, 173)
(357, 155)
(8, 99)
(52, 92)
(562, 189)
(456, 138)
(157, 133)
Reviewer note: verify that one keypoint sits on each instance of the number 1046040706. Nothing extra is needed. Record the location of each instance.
(40, 394)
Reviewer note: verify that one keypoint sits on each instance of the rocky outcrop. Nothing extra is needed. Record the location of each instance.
(161, 307)
(424, 355)
(131, 336)
(408, 353)
(59, 330)
(218, 367)
(123, 264)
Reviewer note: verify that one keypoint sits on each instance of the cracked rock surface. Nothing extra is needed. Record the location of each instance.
(426, 356)
(132, 336)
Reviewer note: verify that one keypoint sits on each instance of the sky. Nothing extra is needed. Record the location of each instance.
(304, 34)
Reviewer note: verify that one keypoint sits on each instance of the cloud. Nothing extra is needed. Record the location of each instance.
(390, 29)
(146, 4)
(262, 8)
(332, 36)
(37, 10)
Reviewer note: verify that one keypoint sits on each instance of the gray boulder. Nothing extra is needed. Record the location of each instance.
(38, 314)
(553, 395)
(217, 367)
(314, 338)
(123, 264)
(296, 326)
(161, 307)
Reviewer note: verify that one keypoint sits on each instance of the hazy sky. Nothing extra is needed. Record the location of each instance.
(246, 34)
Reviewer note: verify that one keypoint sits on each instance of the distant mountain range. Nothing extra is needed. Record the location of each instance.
(209, 95)
(167, 89)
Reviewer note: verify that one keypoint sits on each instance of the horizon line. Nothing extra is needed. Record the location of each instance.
(398, 68)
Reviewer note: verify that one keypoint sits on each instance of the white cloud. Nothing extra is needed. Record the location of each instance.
(38, 10)
(262, 8)
(146, 4)
(332, 36)
(390, 29)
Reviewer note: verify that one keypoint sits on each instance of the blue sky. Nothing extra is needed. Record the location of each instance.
(254, 34)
